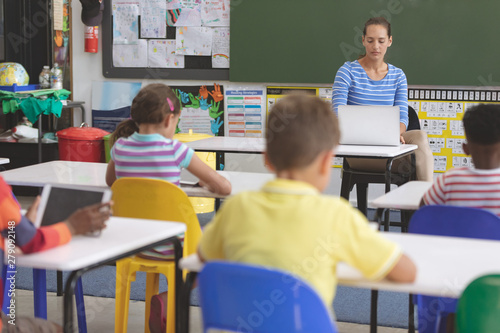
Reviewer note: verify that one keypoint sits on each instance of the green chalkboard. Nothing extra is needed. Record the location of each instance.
(435, 42)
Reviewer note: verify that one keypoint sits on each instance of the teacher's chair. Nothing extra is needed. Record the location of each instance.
(157, 200)
(245, 298)
(352, 177)
(454, 222)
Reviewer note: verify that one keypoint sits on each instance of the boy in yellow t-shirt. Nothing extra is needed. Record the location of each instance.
(289, 224)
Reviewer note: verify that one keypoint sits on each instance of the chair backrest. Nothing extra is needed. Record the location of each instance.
(456, 222)
(245, 298)
(479, 306)
(156, 199)
(413, 121)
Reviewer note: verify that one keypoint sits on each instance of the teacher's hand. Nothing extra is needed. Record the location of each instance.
(402, 140)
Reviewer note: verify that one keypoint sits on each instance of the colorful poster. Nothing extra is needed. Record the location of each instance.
(220, 48)
(215, 13)
(202, 109)
(440, 112)
(161, 54)
(125, 23)
(193, 41)
(245, 111)
(153, 22)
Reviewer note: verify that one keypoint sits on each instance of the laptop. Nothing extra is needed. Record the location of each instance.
(373, 125)
(58, 202)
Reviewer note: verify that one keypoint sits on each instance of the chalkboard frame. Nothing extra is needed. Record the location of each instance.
(110, 71)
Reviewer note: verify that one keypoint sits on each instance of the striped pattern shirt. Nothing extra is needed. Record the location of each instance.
(150, 156)
(468, 188)
(352, 86)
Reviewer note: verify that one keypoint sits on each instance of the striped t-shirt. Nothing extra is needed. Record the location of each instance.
(150, 156)
(352, 86)
(468, 188)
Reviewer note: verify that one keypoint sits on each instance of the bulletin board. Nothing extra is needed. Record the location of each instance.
(440, 111)
(135, 45)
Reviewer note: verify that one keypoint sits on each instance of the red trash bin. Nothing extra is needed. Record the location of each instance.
(82, 143)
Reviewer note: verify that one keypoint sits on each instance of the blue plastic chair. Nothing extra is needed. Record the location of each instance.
(454, 222)
(244, 298)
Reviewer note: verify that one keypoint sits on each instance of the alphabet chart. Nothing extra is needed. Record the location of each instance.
(440, 111)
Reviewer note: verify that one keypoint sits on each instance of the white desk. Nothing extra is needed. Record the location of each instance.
(4, 160)
(445, 265)
(405, 197)
(93, 174)
(121, 238)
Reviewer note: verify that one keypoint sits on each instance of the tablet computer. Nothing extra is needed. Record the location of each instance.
(58, 202)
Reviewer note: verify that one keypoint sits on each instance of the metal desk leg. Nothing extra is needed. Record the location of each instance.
(411, 315)
(373, 311)
(185, 299)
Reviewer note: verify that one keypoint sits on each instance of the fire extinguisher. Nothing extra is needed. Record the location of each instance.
(91, 39)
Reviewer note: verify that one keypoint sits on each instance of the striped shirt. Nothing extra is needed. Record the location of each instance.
(150, 156)
(352, 86)
(468, 188)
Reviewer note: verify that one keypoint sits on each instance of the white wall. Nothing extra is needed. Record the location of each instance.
(87, 67)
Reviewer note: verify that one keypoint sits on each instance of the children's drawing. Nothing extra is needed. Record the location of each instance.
(193, 41)
(125, 23)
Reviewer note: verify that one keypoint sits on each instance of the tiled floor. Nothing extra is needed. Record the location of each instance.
(101, 313)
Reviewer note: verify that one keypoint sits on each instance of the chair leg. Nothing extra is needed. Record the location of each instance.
(362, 192)
(411, 315)
(373, 311)
(80, 307)
(60, 286)
(122, 297)
(40, 293)
(152, 288)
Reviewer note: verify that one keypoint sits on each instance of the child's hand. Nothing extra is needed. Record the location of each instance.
(214, 110)
(31, 212)
(184, 96)
(216, 93)
(215, 125)
(89, 219)
(195, 103)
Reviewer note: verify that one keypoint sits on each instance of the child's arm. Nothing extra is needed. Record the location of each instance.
(404, 271)
(110, 173)
(209, 178)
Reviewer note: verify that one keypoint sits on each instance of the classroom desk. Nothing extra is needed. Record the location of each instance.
(4, 160)
(93, 174)
(445, 266)
(121, 238)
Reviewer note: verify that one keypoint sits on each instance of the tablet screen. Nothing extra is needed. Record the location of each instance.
(58, 203)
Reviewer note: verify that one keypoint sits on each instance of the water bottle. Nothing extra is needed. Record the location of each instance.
(56, 77)
(45, 78)
(23, 131)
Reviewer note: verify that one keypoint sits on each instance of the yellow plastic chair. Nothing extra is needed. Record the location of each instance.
(157, 200)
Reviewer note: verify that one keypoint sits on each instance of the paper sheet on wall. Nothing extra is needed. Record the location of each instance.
(58, 14)
(245, 111)
(153, 22)
(125, 23)
(161, 54)
(215, 13)
(174, 4)
(131, 55)
(193, 41)
(184, 17)
(220, 48)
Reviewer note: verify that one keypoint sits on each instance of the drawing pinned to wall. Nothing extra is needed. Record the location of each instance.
(131, 55)
(173, 16)
(153, 22)
(215, 13)
(174, 4)
(125, 23)
(193, 41)
(220, 48)
(202, 109)
(161, 54)
(245, 111)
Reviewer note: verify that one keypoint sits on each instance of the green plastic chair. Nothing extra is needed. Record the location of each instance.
(479, 306)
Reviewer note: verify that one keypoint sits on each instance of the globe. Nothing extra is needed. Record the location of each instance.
(12, 72)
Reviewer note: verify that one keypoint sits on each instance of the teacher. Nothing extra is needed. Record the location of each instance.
(371, 81)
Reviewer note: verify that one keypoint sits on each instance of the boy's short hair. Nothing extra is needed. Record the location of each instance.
(482, 124)
(299, 128)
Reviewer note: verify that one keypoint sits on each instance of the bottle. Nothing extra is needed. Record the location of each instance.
(25, 121)
(56, 77)
(45, 78)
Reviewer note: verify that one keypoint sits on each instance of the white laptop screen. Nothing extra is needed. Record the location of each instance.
(369, 125)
